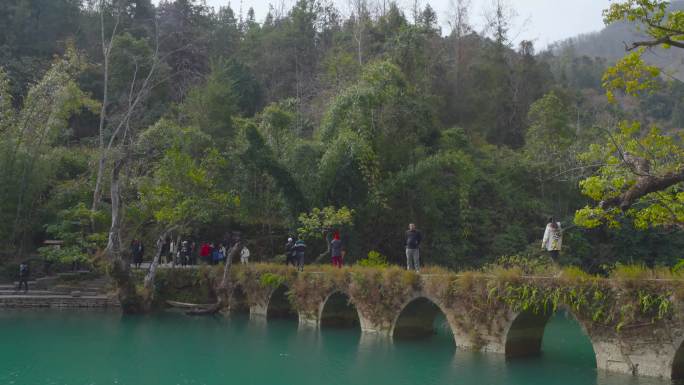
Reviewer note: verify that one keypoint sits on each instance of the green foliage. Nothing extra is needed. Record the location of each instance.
(678, 267)
(640, 166)
(550, 134)
(662, 154)
(74, 229)
(654, 18)
(249, 125)
(212, 106)
(30, 144)
(590, 299)
(527, 265)
(321, 221)
(374, 259)
(271, 280)
(185, 191)
(261, 156)
(131, 58)
(632, 76)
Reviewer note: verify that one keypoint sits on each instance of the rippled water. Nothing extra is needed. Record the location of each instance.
(70, 348)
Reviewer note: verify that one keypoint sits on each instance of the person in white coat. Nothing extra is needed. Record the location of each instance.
(553, 238)
(244, 255)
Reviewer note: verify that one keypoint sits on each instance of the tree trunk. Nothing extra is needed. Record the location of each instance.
(113, 250)
(106, 49)
(148, 283)
(98, 181)
(222, 292)
(130, 300)
(328, 239)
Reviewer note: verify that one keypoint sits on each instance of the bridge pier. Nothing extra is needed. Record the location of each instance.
(308, 320)
(258, 310)
(653, 350)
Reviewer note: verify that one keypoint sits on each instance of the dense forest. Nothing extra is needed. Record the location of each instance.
(122, 120)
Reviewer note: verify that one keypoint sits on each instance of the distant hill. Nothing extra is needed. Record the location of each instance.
(609, 43)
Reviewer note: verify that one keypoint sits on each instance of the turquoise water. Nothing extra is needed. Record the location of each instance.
(79, 348)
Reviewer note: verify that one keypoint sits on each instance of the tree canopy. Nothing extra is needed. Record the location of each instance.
(122, 119)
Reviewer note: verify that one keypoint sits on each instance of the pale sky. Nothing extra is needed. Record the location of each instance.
(542, 21)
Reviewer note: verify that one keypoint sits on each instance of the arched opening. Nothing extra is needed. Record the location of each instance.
(420, 318)
(238, 301)
(557, 337)
(524, 338)
(678, 364)
(279, 305)
(339, 312)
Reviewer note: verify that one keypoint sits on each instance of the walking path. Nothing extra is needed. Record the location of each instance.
(64, 290)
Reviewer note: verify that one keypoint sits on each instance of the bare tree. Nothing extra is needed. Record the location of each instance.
(460, 28)
(499, 17)
(360, 15)
(137, 93)
(107, 44)
(459, 18)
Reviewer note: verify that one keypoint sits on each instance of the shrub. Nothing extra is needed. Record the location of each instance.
(374, 259)
(539, 265)
(271, 280)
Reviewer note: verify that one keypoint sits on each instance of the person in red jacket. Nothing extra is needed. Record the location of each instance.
(205, 252)
(336, 250)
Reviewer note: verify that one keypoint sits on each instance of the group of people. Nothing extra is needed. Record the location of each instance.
(295, 250)
(183, 253)
(294, 253)
(213, 255)
(552, 242)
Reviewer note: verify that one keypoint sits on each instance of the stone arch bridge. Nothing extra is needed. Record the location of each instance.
(635, 327)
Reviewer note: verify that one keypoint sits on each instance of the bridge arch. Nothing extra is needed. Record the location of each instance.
(338, 310)
(677, 364)
(279, 305)
(417, 316)
(525, 333)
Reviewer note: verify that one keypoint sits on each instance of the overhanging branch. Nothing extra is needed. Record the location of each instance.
(645, 185)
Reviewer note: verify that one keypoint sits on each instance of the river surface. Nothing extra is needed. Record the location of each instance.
(84, 348)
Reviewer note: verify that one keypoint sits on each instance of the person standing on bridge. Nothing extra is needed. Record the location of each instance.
(336, 250)
(244, 255)
(165, 251)
(184, 253)
(299, 248)
(413, 239)
(137, 252)
(290, 257)
(553, 238)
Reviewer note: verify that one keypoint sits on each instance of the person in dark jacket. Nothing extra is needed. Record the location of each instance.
(23, 276)
(166, 250)
(184, 253)
(290, 253)
(336, 250)
(214, 259)
(413, 239)
(137, 252)
(299, 248)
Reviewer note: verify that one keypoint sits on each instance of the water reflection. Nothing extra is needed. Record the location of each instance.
(42, 347)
